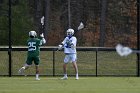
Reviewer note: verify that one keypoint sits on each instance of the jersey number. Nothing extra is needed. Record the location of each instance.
(68, 43)
(31, 46)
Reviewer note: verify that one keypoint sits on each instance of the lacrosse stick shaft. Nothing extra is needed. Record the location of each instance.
(136, 51)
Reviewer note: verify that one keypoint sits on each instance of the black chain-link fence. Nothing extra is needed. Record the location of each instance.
(91, 62)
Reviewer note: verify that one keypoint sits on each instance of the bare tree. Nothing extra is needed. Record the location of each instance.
(1, 1)
(102, 22)
(47, 9)
(38, 15)
(76, 13)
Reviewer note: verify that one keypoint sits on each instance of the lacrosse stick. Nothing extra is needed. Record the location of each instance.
(81, 26)
(42, 23)
(125, 51)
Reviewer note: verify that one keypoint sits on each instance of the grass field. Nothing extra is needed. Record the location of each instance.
(83, 85)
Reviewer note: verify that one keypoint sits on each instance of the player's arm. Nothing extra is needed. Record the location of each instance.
(60, 46)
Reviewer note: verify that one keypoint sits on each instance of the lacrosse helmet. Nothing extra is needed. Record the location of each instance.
(70, 32)
(32, 34)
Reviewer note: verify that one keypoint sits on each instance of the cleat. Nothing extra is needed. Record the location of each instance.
(37, 79)
(64, 78)
(21, 71)
(77, 78)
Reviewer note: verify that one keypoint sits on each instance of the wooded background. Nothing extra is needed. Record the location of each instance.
(107, 22)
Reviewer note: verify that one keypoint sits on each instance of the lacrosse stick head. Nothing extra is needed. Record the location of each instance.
(42, 20)
(81, 26)
(123, 51)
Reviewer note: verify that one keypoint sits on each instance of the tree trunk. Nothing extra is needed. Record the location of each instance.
(47, 9)
(102, 23)
(1, 1)
(38, 15)
(76, 13)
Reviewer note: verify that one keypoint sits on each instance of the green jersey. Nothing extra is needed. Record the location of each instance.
(34, 46)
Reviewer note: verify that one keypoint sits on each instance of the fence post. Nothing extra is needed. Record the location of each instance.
(53, 62)
(96, 62)
(138, 37)
(10, 48)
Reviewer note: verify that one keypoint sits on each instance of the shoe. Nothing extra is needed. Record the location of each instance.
(37, 79)
(77, 78)
(64, 78)
(21, 71)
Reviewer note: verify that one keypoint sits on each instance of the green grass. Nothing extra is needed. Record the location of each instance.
(83, 85)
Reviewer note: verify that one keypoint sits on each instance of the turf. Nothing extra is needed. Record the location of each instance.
(83, 85)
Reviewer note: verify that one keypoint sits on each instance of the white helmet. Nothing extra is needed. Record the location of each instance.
(70, 32)
(32, 33)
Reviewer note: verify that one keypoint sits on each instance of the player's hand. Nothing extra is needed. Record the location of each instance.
(42, 35)
(60, 47)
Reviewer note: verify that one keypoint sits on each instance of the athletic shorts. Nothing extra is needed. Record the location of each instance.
(34, 59)
(70, 58)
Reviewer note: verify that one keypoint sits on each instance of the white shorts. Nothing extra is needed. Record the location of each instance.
(70, 58)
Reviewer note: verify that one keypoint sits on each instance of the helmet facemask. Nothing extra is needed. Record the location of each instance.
(70, 32)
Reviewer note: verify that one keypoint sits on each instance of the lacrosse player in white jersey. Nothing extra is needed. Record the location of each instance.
(69, 45)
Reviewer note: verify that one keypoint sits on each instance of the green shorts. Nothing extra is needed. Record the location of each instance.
(34, 59)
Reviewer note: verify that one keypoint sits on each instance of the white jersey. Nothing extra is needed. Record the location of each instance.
(70, 45)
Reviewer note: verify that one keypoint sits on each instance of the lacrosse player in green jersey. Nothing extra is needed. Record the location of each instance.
(33, 44)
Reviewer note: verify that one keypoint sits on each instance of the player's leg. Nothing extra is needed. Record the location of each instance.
(26, 65)
(37, 72)
(74, 59)
(36, 62)
(21, 70)
(65, 69)
(66, 60)
(76, 69)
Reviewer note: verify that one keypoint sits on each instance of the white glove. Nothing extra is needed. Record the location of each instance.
(42, 35)
(60, 47)
(43, 41)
